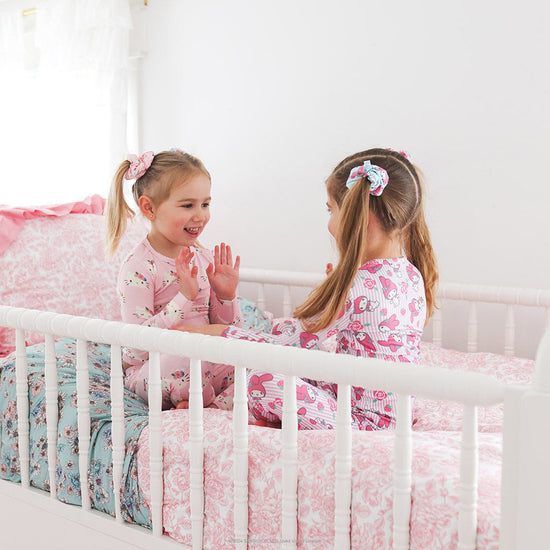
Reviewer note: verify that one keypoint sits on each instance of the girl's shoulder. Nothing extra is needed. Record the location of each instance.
(389, 268)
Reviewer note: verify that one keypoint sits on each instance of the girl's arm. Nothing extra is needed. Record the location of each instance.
(287, 332)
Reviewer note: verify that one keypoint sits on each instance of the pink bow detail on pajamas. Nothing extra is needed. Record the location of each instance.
(138, 165)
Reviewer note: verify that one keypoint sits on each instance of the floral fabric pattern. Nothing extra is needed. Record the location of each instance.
(100, 471)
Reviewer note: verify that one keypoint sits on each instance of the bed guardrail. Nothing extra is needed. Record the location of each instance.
(470, 389)
(510, 297)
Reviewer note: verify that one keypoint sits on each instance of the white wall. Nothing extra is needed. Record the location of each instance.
(271, 95)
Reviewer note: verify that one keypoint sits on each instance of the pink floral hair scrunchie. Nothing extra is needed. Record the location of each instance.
(138, 165)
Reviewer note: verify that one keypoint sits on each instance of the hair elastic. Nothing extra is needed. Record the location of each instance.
(138, 165)
(378, 177)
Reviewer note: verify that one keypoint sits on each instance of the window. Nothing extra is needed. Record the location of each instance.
(63, 99)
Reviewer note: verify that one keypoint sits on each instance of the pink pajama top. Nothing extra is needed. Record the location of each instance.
(149, 295)
(383, 317)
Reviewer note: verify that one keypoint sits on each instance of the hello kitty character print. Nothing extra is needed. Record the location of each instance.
(383, 318)
(149, 295)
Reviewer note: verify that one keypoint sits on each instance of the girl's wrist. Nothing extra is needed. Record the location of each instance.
(187, 295)
(224, 299)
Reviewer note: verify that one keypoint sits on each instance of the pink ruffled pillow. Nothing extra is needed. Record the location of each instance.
(58, 263)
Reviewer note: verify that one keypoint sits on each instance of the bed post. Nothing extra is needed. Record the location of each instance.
(525, 510)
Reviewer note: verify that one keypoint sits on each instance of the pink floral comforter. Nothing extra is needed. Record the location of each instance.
(434, 519)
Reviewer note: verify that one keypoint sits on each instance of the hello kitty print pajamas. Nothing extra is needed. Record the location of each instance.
(383, 317)
(149, 296)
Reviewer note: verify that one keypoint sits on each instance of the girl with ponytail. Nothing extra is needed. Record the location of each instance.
(169, 278)
(376, 300)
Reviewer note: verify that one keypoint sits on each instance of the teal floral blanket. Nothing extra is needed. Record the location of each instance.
(100, 478)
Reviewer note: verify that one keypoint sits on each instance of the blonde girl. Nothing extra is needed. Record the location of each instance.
(168, 278)
(375, 302)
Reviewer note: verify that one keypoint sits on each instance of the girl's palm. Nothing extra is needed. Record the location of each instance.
(187, 275)
(224, 275)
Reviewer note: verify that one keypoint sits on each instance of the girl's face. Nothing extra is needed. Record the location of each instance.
(334, 215)
(181, 218)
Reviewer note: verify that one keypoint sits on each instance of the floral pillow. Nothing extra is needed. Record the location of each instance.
(58, 263)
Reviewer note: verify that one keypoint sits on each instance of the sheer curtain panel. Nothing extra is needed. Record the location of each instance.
(63, 98)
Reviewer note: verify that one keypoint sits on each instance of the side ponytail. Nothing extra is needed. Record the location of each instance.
(117, 210)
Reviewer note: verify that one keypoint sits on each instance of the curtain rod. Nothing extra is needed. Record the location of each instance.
(32, 11)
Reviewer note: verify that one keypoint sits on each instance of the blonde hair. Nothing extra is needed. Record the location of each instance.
(399, 207)
(167, 169)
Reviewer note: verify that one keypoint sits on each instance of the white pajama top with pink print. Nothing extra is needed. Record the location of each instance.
(383, 317)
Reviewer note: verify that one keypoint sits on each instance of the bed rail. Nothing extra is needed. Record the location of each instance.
(471, 389)
(473, 295)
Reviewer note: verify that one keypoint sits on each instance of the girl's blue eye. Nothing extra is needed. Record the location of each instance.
(206, 205)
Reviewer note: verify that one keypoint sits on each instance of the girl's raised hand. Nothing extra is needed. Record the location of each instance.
(187, 275)
(223, 275)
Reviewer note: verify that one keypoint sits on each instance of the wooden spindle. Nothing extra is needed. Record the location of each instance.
(196, 458)
(22, 389)
(467, 515)
(50, 371)
(261, 297)
(289, 528)
(509, 331)
(472, 327)
(154, 397)
(342, 468)
(437, 328)
(117, 430)
(287, 302)
(240, 459)
(83, 418)
(402, 474)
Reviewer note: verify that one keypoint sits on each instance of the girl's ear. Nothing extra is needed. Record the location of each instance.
(147, 207)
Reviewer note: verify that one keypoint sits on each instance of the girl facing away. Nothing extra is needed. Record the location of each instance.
(375, 302)
(169, 278)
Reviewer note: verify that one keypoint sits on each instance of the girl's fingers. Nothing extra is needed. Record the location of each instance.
(223, 254)
(229, 257)
(238, 263)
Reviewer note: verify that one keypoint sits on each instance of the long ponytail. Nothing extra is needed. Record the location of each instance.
(117, 210)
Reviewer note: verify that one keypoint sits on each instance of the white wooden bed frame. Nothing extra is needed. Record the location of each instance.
(525, 507)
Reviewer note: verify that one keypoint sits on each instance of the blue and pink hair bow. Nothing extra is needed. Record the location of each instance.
(138, 165)
(378, 177)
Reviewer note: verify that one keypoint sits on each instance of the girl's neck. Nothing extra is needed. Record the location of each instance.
(384, 251)
(162, 246)
(381, 245)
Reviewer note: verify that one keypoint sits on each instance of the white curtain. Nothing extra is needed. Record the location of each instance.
(63, 98)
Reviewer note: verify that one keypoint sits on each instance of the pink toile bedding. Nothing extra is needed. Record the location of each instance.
(436, 451)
